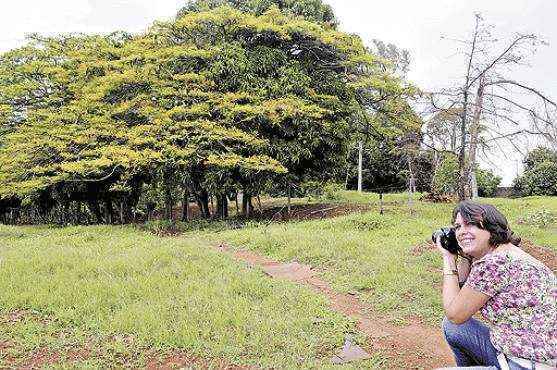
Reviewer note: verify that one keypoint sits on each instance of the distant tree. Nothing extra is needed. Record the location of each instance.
(385, 169)
(539, 155)
(386, 128)
(441, 131)
(487, 182)
(490, 110)
(540, 173)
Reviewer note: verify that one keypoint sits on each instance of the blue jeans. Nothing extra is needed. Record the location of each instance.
(471, 346)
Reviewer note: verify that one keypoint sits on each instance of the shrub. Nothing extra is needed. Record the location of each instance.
(310, 189)
(487, 182)
(331, 191)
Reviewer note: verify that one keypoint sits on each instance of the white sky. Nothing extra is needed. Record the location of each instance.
(416, 25)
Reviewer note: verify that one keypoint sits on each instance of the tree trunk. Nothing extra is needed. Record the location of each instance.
(289, 199)
(463, 180)
(411, 188)
(168, 199)
(185, 203)
(129, 205)
(246, 204)
(121, 210)
(150, 209)
(222, 206)
(436, 161)
(259, 204)
(95, 209)
(453, 138)
(108, 211)
(203, 202)
(474, 185)
(474, 136)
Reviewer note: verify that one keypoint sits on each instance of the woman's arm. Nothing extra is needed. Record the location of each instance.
(463, 266)
(459, 304)
(451, 278)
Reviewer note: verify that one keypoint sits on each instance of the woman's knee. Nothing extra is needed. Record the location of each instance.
(454, 331)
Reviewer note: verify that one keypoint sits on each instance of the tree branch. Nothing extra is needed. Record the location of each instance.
(514, 83)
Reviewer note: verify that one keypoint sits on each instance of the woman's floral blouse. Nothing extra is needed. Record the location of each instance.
(523, 308)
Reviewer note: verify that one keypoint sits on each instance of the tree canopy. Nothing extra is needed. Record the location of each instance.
(221, 99)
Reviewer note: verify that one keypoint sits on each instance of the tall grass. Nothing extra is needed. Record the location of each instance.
(123, 291)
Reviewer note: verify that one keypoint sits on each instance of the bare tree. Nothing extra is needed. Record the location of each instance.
(489, 103)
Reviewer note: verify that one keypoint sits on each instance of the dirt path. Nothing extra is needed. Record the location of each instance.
(414, 346)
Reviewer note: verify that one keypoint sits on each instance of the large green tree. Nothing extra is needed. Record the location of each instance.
(218, 100)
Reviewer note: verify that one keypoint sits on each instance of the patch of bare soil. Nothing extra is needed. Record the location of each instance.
(547, 256)
(297, 212)
(437, 198)
(179, 360)
(414, 346)
(310, 211)
(420, 249)
(16, 316)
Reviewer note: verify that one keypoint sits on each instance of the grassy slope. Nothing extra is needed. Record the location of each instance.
(119, 290)
(372, 254)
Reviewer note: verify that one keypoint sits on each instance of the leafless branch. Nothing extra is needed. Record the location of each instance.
(501, 57)
(531, 89)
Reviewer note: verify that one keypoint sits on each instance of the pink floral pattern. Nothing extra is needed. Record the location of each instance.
(522, 310)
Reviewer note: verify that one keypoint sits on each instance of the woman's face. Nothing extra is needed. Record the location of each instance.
(473, 240)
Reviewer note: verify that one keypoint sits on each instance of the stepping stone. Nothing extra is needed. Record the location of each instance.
(350, 352)
(291, 271)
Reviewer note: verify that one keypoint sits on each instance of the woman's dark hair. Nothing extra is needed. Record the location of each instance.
(489, 218)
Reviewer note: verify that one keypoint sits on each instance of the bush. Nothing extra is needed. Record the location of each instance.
(331, 191)
(310, 189)
(487, 182)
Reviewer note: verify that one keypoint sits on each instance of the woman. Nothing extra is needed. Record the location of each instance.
(515, 293)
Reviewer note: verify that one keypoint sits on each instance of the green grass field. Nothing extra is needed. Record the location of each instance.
(127, 295)
(372, 254)
(104, 286)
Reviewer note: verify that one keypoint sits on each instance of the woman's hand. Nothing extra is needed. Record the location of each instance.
(443, 251)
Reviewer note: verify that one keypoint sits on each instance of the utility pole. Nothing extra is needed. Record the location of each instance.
(360, 155)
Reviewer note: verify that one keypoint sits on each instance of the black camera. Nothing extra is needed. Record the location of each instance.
(447, 238)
